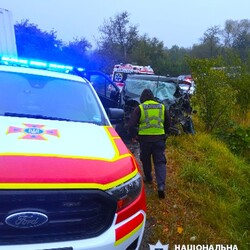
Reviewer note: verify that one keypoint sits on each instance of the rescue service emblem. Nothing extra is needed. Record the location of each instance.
(33, 132)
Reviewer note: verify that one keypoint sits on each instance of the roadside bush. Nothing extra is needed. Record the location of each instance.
(215, 97)
(237, 138)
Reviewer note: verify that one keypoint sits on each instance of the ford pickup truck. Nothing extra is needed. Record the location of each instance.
(67, 180)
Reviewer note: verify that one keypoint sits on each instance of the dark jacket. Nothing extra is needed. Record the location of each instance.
(135, 119)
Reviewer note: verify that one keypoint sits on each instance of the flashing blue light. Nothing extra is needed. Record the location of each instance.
(13, 60)
(58, 66)
(81, 69)
(35, 64)
(38, 64)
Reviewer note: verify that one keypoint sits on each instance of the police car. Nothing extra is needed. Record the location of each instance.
(67, 181)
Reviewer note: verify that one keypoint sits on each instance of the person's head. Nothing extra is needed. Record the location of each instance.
(146, 95)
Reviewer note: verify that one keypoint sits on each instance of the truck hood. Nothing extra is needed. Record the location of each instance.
(46, 137)
(45, 151)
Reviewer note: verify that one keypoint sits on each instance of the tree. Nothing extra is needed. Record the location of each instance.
(35, 43)
(75, 53)
(233, 29)
(117, 39)
(210, 44)
(215, 98)
(176, 61)
(229, 33)
(151, 52)
(236, 35)
(238, 72)
(242, 45)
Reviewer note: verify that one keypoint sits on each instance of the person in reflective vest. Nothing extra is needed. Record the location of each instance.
(149, 124)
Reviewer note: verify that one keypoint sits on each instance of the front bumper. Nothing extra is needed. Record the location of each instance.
(119, 236)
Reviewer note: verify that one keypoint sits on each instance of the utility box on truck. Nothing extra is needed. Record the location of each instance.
(7, 34)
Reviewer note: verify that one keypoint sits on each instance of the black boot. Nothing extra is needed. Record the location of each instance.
(161, 192)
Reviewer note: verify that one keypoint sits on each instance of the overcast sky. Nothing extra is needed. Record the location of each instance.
(174, 22)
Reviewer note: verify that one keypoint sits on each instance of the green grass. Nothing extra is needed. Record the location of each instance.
(208, 190)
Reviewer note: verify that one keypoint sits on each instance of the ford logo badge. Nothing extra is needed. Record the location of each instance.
(26, 219)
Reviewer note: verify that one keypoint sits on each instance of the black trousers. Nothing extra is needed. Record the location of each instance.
(154, 151)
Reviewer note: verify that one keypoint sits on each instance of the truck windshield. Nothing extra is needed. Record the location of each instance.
(43, 97)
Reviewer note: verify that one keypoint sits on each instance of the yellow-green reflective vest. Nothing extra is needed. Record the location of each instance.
(152, 118)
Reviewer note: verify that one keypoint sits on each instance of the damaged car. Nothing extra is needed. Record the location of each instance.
(166, 91)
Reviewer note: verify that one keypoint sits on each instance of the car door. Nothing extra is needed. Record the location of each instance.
(107, 91)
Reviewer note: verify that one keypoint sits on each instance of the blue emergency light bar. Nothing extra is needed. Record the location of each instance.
(30, 63)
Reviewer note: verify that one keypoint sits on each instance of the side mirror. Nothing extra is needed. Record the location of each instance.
(116, 115)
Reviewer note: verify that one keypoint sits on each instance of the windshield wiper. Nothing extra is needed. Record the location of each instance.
(36, 116)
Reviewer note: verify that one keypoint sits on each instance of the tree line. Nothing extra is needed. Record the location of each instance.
(120, 42)
(219, 64)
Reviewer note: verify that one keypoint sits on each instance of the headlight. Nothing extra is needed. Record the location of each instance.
(127, 192)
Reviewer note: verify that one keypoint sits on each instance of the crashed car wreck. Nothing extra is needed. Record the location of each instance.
(166, 91)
